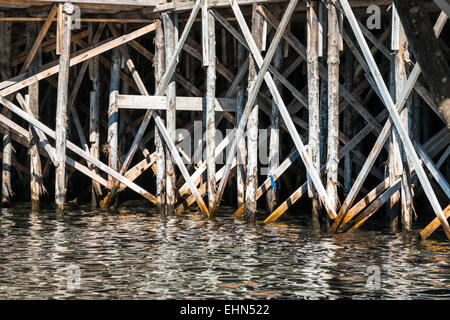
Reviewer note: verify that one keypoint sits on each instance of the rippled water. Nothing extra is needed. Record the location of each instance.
(135, 253)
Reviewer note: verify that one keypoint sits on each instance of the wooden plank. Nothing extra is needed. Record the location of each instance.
(414, 75)
(182, 103)
(374, 206)
(71, 146)
(409, 148)
(139, 3)
(22, 136)
(32, 52)
(85, 55)
(444, 6)
(164, 133)
(433, 225)
(301, 50)
(437, 175)
(264, 64)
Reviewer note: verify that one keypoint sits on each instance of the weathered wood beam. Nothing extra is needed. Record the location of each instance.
(394, 116)
(61, 106)
(426, 48)
(182, 103)
(21, 81)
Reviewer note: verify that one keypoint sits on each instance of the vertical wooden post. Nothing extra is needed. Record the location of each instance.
(124, 89)
(348, 125)
(397, 81)
(241, 150)
(61, 106)
(160, 67)
(94, 133)
(170, 40)
(5, 58)
(323, 52)
(210, 110)
(113, 113)
(274, 142)
(33, 103)
(400, 47)
(333, 106)
(314, 101)
(252, 125)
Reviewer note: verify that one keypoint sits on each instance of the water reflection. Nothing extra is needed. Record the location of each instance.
(135, 253)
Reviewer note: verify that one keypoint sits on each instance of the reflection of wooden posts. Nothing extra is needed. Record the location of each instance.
(160, 67)
(313, 101)
(252, 125)
(5, 58)
(33, 104)
(242, 150)
(61, 106)
(333, 106)
(210, 125)
(170, 40)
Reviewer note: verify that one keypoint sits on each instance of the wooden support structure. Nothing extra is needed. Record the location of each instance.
(65, 15)
(252, 124)
(160, 63)
(313, 101)
(295, 119)
(36, 187)
(210, 123)
(5, 56)
(333, 107)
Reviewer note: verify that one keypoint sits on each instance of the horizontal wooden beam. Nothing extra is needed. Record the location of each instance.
(188, 5)
(98, 20)
(139, 3)
(182, 103)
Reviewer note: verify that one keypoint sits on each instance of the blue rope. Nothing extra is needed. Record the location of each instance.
(273, 185)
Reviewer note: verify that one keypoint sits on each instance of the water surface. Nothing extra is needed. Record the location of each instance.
(137, 254)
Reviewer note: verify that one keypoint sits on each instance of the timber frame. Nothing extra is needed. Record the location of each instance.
(150, 67)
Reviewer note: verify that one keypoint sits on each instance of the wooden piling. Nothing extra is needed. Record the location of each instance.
(274, 142)
(333, 106)
(113, 113)
(252, 126)
(313, 101)
(169, 41)
(242, 148)
(5, 58)
(210, 124)
(160, 66)
(94, 128)
(348, 122)
(61, 106)
(36, 186)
